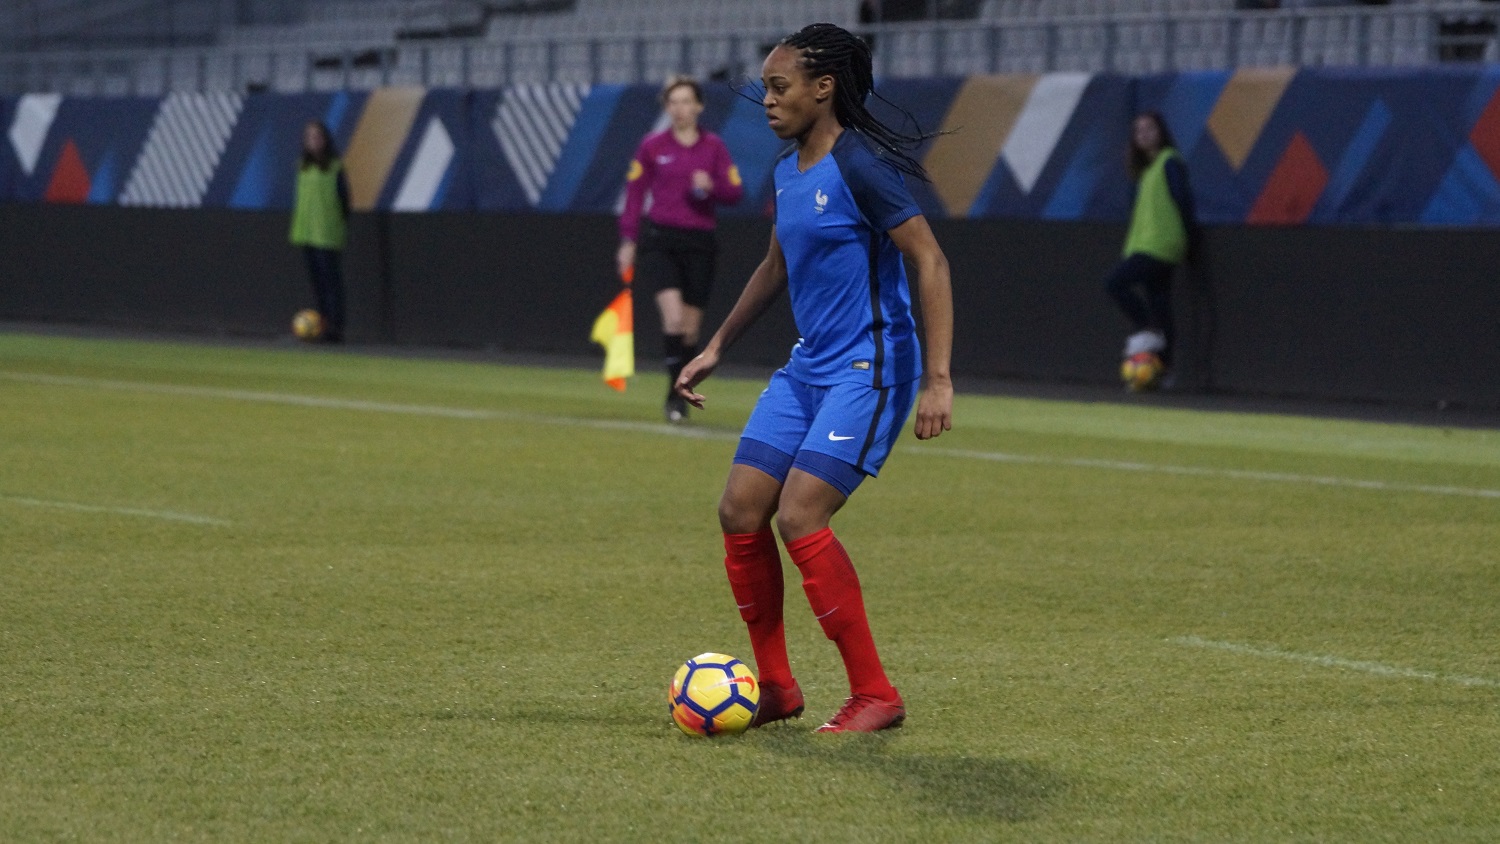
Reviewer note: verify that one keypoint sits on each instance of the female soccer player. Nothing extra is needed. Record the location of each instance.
(844, 218)
(320, 224)
(1162, 225)
(688, 172)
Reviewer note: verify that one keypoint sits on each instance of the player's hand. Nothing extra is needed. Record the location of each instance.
(703, 184)
(625, 258)
(934, 407)
(693, 374)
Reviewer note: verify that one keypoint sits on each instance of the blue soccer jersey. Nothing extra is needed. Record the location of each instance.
(846, 279)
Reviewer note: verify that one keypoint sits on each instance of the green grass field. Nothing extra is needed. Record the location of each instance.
(300, 595)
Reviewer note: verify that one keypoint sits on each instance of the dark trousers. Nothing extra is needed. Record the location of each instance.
(1142, 287)
(324, 267)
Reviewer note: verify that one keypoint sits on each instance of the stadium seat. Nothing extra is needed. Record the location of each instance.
(307, 41)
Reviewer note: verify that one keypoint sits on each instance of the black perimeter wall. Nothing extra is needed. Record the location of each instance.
(1410, 316)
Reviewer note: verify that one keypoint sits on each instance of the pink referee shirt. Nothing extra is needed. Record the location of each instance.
(664, 168)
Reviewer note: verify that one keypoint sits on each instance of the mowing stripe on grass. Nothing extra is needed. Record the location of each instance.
(1334, 662)
(169, 515)
(1197, 471)
(711, 434)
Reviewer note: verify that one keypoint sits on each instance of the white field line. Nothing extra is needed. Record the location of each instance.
(169, 515)
(711, 434)
(1376, 668)
(438, 411)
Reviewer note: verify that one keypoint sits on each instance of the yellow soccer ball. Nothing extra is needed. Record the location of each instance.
(1140, 371)
(307, 325)
(713, 695)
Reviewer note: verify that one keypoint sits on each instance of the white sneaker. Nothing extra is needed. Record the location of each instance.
(1145, 341)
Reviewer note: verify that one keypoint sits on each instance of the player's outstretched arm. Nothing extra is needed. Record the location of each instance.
(766, 283)
(935, 291)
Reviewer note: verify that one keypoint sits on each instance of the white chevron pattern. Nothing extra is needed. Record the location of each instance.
(1041, 123)
(182, 150)
(424, 177)
(28, 131)
(532, 123)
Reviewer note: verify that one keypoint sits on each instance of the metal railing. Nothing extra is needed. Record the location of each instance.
(1145, 43)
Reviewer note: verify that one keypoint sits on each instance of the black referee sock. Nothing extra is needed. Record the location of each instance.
(676, 358)
(688, 353)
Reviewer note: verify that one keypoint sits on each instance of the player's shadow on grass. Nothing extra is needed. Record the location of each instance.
(1002, 789)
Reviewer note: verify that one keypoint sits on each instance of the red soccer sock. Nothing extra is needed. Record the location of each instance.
(754, 568)
(832, 589)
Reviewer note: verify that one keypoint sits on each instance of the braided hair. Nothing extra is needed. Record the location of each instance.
(831, 50)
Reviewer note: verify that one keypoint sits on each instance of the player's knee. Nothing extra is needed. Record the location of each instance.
(795, 521)
(731, 517)
(738, 515)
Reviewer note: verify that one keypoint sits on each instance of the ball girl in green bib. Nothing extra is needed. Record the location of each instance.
(1162, 230)
(320, 224)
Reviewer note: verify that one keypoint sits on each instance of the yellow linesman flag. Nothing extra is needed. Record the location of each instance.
(615, 331)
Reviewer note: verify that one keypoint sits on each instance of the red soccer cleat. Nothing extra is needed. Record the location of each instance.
(777, 703)
(866, 714)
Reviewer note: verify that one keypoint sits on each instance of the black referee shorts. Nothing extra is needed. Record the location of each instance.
(668, 258)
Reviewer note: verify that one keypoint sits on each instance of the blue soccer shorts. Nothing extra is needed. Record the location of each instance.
(839, 433)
